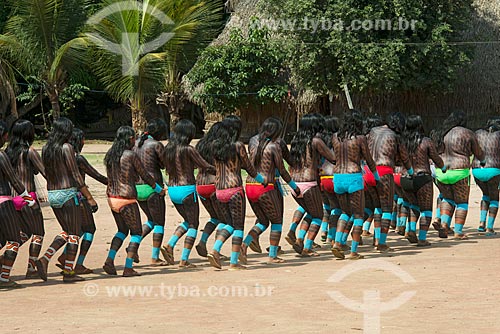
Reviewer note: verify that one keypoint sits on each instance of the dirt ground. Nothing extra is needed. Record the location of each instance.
(455, 287)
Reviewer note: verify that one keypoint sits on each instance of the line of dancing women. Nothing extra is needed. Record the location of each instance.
(343, 177)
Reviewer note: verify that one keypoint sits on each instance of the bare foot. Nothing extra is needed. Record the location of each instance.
(366, 233)
(236, 267)
(298, 246)
(243, 254)
(30, 274)
(443, 231)
(384, 249)
(255, 246)
(109, 268)
(437, 225)
(490, 232)
(201, 248)
(71, 277)
(168, 254)
(338, 253)
(214, 259)
(412, 237)
(344, 247)
(61, 259)
(276, 260)
(316, 246)
(136, 256)
(186, 265)
(460, 237)
(400, 230)
(309, 253)
(41, 267)
(291, 238)
(355, 256)
(423, 243)
(129, 272)
(82, 270)
(158, 263)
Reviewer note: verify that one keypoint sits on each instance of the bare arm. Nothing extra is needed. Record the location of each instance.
(245, 162)
(365, 153)
(285, 152)
(198, 160)
(88, 169)
(141, 171)
(278, 162)
(70, 161)
(320, 146)
(433, 154)
(403, 154)
(476, 149)
(7, 169)
(36, 161)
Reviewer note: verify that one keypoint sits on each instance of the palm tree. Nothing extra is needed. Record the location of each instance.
(36, 34)
(133, 45)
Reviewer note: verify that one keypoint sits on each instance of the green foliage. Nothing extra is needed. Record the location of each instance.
(70, 96)
(248, 69)
(373, 60)
(4, 13)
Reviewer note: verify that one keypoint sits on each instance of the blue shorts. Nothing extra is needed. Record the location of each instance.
(348, 183)
(178, 193)
(485, 174)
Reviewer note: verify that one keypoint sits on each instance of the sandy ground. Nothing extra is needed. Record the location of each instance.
(454, 287)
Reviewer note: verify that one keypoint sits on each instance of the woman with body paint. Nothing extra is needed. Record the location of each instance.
(181, 160)
(124, 168)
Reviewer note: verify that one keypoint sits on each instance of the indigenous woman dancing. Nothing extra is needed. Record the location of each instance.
(331, 206)
(350, 148)
(230, 156)
(205, 187)
(488, 178)
(265, 200)
(419, 188)
(385, 146)
(64, 182)
(88, 224)
(181, 160)
(27, 163)
(124, 168)
(152, 155)
(10, 226)
(458, 144)
(306, 150)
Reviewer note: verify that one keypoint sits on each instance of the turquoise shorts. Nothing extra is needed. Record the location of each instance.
(485, 174)
(348, 183)
(178, 193)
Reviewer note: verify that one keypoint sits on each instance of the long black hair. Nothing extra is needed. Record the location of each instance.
(156, 128)
(123, 141)
(62, 128)
(456, 118)
(234, 125)
(493, 124)
(352, 125)
(184, 132)
(414, 133)
(330, 127)
(223, 147)
(77, 140)
(205, 145)
(22, 135)
(269, 131)
(396, 121)
(372, 121)
(309, 126)
(3, 131)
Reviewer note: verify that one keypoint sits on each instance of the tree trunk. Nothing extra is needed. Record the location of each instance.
(54, 102)
(139, 121)
(174, 105)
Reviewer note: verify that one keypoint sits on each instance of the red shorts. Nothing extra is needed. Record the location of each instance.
(384, 170)
(369, 178)
(397, 179)
(327, 183)
(205, 191)
(255, 190)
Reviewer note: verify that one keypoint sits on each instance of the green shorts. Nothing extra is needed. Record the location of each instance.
(144, 191)
(452, 176)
